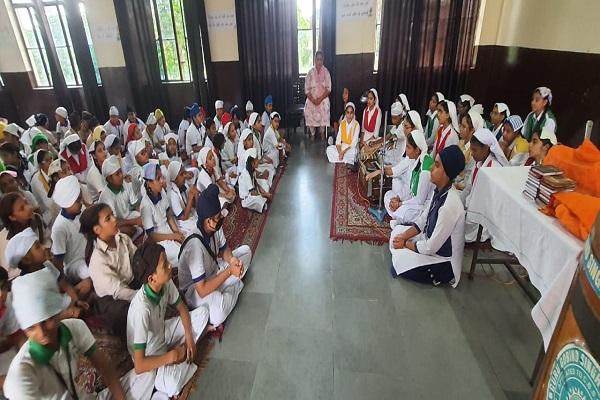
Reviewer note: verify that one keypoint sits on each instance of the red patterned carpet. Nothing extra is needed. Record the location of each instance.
(350, 219)
(243, 226)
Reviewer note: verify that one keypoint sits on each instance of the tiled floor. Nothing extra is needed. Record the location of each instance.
(324, 320)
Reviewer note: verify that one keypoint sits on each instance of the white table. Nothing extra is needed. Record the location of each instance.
(542, 246)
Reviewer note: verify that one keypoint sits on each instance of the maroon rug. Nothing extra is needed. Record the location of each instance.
(350, 219)
(243, 226)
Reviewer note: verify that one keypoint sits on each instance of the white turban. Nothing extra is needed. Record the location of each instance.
(13, 129)
(36, 298)
(218, 104)
(66, 191)
(404, 101)
(173, 170)
(476, 119)
(253, 118)
(503, 108)
(203, 155)
(466, 97)
(549, 134)
(249, 106)
(109, 140)
(396, 109)
(18, 246)
(416, 120)
(30, 121)
(419, 138)
(486, 137)
(151, 120)
(54, 167)
(72, 138)
(62, 112)
(440, 96)
(274, 115)
(170, 136)
(137, 146)
(111, 165)
(113, 111)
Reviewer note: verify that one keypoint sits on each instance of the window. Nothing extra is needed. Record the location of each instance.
(308, 13)
(88, 36)
(171, 40)
(34, 44)
(55, 14)
(378, 13)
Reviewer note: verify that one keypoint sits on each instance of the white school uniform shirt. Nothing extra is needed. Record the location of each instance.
(178, 201)
(490, 161)
(181, 132)
(30, 376)
(218, 124)
(193, 136)
(154, 215)
(139, 123)
(401, 174)
(162, 131)
(47, 206)
(146, 319)
(121, 202)
(8, 321)
(63, 129)
(394, 155)
(246, 184)
(229, 152)
(269, 145)
(155, 139)
(67, 240)
(196, 263)
(95, 182)
(116, 130)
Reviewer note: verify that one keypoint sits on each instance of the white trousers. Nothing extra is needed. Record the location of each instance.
(256, 203)
(220, 303)
(334, 157)
(271, 169)
(168, 380)
(228, 178)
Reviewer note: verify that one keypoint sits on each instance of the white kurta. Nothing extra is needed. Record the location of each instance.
(350, 157)
(250, 201)
(412, 205)
(95, 183)
(178, 203)
(367, 134)
(47, 206)
(193, 137)
(270, 146)
(181, 134)
(450, 224)
(395, 153)
(116, 130)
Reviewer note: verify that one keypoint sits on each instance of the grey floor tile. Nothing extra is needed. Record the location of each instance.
(350, 385)
(225, 380)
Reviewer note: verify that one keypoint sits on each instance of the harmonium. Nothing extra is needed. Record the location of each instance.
(370, 189)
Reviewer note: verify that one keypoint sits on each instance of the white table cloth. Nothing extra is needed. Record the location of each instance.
(543, 247)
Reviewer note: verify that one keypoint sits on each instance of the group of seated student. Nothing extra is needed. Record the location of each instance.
(98, 217)
(434, 167)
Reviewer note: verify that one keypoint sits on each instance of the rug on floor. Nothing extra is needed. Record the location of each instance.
(243, 226)
(350, 219)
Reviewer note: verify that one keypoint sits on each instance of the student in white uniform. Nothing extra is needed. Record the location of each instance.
(112, 145)
(407, 205)
(95, 180)
(157, 217)
(431, 249)
(432, 122)
(207, 176)
(195, 134)
(114, 125)
(40, 185)
(63, 125)
(68, 244)
(162, 127)
(266, 115)
(541, 116)
(486, 152)
(152, 135)
(249, 110)
(75, 153)
(447, 133)
(514, 145)
(345, 149)
(265, 164)
(133, 119)
(247, 142)
(181, 132)
(11, 335)
(541, 143)
(252, 194)
(162, 350)
(46, 366)
(464, 104)
(182, 198)
(210, 272)
(498, 117)
(270, 142)
(119, 195)
(219, 114)
(469, 123)
(371, 121)
(396, 139)
(229, 153)
(140, 156)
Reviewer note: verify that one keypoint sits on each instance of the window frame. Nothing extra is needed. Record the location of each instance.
(315, 29)
(161, 48)
(378, 22)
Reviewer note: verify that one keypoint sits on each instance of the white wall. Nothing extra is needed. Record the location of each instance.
(11, 59)
(541, 24)
(223, 42)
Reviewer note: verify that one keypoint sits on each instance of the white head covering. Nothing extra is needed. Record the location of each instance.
(404, 101)
(453, 115)
(30, 121)
(419, 138)
(18, 246)
(376, 96)
(66, 191)
(249, 106)
(137, 146)
(502, 107)
(546, 93)
(173, 170)
(54, 167)
(36, 298)
(113, 111)
(416, 120)
(226, 129)
(245, 133)
(476, 119)
(396, 109)
(478, 108)
(350, 104)
(62, 112)
(13, 129)
(251, 152)
(486, 137)
(253, 118)
(170, 136)
(275, 114)
(218, 104)
(72, 138)
(203, 155)
(440, 96)
(549, 134)
(466, 97)
(109, 140)
(111, 165)
(151, 120)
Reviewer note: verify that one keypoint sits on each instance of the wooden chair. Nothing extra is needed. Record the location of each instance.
(295, 113)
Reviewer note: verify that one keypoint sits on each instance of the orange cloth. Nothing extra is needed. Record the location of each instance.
(581, 164)
(575, 211)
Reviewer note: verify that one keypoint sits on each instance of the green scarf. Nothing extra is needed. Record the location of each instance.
(425, 165)
(430, 121)
(532, 124)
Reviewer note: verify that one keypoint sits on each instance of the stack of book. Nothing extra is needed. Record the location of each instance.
(554, 184)
(535, 177)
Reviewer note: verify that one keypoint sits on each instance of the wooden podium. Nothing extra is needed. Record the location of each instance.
(571, 367)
